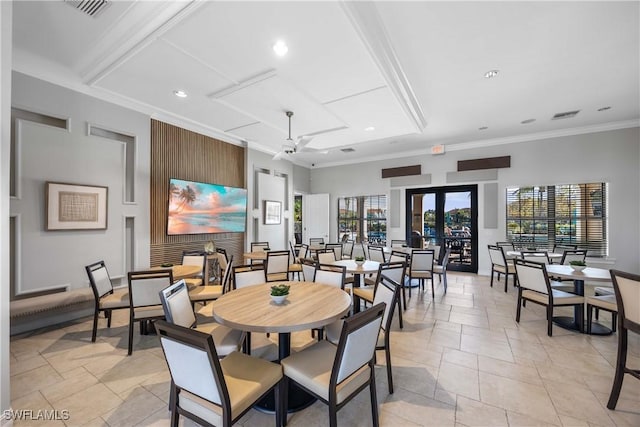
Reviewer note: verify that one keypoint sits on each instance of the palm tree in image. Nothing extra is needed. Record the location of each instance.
(187, 196)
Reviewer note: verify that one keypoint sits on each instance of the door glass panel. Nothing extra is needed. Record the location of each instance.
(429, 230)
(457, 226)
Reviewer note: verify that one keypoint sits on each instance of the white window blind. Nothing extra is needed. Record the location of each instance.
(570, 214)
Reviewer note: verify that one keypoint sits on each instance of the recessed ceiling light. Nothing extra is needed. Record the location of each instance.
(483, 128)
(604, 108)
(180, 93)
(526, 122)
(280, 48)
(369, 129)
(491, 73)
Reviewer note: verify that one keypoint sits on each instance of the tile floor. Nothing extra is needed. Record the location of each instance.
(461, 360)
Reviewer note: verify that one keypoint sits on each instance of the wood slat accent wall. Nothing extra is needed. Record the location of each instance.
(182, 154)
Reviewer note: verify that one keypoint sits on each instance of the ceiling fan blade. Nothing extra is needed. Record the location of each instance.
(280, 155)
(302, 141)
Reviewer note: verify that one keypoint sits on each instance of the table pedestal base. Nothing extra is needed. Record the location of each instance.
(570, 323)
(298, 400)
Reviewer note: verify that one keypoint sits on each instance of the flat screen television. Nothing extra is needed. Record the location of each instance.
(199, 208)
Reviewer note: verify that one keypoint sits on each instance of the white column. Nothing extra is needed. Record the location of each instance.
(6, 14)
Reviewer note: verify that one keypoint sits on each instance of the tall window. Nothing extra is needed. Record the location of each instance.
(363, 219)
(573, 214)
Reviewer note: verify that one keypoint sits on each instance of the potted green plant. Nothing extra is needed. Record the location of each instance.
(279, 293)
(578, 265)
(359, 260)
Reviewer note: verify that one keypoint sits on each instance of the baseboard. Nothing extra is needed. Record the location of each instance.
(44, 319)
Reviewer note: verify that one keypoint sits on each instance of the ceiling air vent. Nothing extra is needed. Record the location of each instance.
(89, 7)
(347, 150)
(565, 115)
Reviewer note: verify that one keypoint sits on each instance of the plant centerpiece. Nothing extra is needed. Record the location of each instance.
(279, 293)
(578, 265)
(359, 260)
(166, 264)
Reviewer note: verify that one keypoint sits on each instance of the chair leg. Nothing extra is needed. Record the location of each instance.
(492, 274)
(401, 323)
(520, 303)
(375, 422)
(284, 404)
(95, 325)
(174, 410)
(389, 373)
(621, 362)
(433, 292)
(130, 350)
(550, 320)
(404, 294)
(589, 317)
(277, 394)
(444, 280)
(108, 314)
(506, 281)
(614, 321)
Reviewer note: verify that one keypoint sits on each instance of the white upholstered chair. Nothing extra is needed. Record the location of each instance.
(210, 391)
(178, 311)
(337, 373)
(627, 290)
(106, 298)
(535, 286)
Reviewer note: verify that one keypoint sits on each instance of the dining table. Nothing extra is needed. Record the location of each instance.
(182, 271)
(590, 274)
(308, 306)
(255, 256)
(553, 256)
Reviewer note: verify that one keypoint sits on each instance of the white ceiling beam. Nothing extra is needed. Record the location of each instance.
(366, 21)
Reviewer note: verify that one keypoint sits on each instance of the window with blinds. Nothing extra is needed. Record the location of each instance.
(572, 214)
(363, 219)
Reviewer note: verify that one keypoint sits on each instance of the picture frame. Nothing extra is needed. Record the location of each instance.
(75, 206)
(272, 212)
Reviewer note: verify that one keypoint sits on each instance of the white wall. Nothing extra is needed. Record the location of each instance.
(265, 181)
(50, 259)
(5, 144)
(611, 156)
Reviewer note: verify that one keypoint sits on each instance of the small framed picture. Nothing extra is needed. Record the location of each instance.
(76, 207)
(272, 212)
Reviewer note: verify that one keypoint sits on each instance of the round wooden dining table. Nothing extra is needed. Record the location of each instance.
(309, 305)
(182, 271)
(590, 274)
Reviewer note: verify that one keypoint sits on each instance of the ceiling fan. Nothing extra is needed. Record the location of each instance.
(295, 147)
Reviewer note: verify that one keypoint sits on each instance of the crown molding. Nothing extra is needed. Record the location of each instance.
(367, 23)
(559, 133)
(605, 127)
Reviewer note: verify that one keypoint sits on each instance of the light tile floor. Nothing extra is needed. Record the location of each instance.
(461, 360)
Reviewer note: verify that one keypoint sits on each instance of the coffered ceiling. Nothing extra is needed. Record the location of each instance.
(387, 79)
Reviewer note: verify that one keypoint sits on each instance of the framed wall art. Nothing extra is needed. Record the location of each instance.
(76, 206)
(272, 212)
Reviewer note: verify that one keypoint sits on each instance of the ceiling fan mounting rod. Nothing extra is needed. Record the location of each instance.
(289, 114)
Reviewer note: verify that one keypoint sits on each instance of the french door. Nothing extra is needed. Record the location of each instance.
(445, 216)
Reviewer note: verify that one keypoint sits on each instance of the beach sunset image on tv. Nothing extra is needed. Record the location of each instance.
(198, 208)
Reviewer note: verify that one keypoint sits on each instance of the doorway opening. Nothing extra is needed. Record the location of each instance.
(297, 218)
(447, 217)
